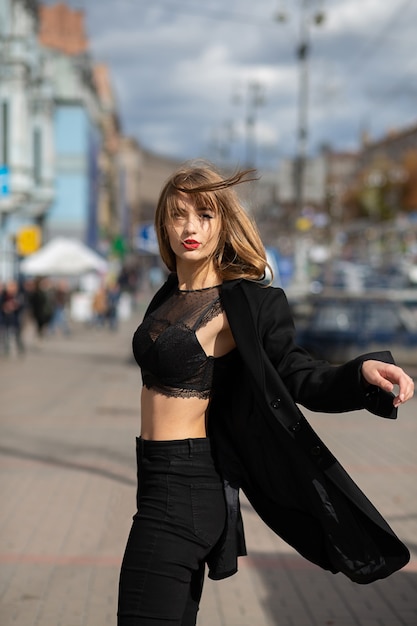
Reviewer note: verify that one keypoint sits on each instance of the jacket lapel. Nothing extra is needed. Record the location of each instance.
(240, 318)
(244, 329)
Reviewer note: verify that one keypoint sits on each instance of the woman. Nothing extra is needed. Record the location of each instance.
(221, 379)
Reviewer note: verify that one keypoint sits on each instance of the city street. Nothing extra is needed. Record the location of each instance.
(69, 418)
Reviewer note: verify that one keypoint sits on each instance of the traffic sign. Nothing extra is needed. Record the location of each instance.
(4, 181)
(28, 240)
(146, 239)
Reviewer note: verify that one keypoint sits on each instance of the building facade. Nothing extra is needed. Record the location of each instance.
(77, 130)
(27, 159)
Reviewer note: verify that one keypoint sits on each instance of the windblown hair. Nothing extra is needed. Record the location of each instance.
(240, 252)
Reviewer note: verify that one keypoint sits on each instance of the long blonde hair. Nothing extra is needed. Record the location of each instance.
(240, 252)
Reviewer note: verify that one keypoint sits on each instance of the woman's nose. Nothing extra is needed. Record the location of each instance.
(189, 225)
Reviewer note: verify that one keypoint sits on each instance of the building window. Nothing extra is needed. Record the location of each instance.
(37, 156)
(4, 134)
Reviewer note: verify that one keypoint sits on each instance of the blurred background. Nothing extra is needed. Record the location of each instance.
(101, 101)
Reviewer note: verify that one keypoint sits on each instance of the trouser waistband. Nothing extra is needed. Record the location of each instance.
(188, 446)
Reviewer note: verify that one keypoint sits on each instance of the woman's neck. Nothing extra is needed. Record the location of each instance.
(200, 278)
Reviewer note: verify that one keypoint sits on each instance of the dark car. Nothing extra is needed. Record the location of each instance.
(341, 327)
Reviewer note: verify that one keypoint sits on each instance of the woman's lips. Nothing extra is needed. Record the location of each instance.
(190, 244)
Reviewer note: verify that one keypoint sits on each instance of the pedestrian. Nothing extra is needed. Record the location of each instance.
(113, 297)
(11, 310)
(222, 380)
(60, 303)
(2, 329)
(99, 306)
(41, 304)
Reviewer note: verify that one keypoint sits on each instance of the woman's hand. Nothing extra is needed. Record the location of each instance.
(385, 376)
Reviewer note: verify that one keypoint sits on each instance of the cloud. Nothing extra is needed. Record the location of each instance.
(178, 67)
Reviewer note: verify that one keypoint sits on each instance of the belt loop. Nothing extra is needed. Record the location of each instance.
(190, 448)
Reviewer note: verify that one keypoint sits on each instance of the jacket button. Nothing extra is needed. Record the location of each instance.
(315, 450)
(275, 403)
(295, 427)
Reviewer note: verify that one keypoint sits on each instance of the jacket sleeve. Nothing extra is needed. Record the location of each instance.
(316, 384)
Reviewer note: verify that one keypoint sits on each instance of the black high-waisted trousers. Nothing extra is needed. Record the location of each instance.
(181, 515)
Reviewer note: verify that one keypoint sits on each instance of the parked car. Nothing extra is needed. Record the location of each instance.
(340, 327)
(353, 276)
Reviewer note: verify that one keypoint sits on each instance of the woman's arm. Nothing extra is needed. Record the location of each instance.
(320, 386)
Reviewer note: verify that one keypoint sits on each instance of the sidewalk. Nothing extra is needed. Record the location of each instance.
(69, 418)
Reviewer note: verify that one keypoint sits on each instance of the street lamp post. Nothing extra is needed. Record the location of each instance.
(302, 54)
(302, 123)
(255, 100)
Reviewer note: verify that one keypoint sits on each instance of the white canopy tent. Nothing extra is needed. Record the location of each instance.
(63, 257)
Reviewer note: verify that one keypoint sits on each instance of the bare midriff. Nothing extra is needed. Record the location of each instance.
(166, 418)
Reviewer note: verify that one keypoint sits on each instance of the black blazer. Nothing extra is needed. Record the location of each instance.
(266, 446)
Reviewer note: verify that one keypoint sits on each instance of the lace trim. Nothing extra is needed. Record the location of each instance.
(215, 309)
(179, 392)
(159, 325)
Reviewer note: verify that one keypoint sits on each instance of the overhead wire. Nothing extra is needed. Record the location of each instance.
(204, 10)
(372, 46)
(367, 53)
(218, 14)
(399, 88)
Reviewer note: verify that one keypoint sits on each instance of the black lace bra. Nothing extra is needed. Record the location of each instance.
(167, 350)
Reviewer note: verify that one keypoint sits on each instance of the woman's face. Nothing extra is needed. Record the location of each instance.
(193, 231)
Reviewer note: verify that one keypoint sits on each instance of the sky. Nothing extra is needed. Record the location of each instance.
(188, 75)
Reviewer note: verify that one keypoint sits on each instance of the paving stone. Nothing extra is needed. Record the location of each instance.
(68, 424)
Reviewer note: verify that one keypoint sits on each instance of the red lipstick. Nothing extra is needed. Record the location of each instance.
(190, 244)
